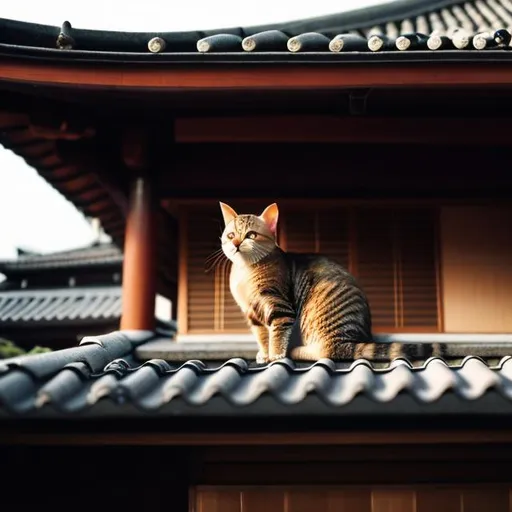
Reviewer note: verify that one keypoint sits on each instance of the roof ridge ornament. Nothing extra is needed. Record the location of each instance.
(156, 45)
(64, 40)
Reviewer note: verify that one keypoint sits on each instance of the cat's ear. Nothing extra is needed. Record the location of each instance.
(270, 216)
(227, 213)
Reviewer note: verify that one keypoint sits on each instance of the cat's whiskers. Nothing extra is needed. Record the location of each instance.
(214, 259)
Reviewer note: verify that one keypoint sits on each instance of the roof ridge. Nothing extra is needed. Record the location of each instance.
(18, 32)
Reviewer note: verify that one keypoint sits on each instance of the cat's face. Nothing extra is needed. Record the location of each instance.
(248, 238)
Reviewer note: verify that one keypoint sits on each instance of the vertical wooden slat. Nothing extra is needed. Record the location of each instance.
(333, 235)
(263, 501)
(399, 278)
(182, 308)
(306, 501)
(203, 235)
(350, 501)
(439, 500)
(300, 231)
(375, 263)
(485, 500)
(395, 500)
(210, 305)
(418, 273)
(218, 501)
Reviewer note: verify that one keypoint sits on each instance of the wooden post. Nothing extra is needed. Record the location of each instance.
(139, 266)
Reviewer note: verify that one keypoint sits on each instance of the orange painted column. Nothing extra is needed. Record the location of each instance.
(139, 266)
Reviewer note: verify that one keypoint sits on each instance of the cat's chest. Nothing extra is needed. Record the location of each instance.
(239, 285)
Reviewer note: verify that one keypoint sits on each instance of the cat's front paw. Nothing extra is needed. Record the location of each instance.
(262, 357)
(276, 357)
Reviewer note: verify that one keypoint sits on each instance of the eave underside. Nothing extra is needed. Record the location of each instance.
(73, 135)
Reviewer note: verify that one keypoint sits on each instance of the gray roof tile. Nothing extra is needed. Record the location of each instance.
(94, 255)
(61, 305)
(311, 35)
(101, 377)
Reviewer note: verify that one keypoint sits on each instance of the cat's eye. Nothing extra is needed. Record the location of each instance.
(231, 236)
(252, 235)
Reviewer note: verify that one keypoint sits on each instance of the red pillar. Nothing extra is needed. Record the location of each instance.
(139, 266)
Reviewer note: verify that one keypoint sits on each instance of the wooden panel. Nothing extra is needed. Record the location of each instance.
(375, 263)
(476, 247)
(439, 500)
(326, 500)
(391, 251)
(333, 235)
(218, 501)
(299, 228)
(418, 268)
(317, 230)
(200, 284)
(306, 501)
(350, 501)
(264, 500)
(393, 501)
(483, 500)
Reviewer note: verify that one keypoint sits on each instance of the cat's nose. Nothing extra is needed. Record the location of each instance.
(237, 242)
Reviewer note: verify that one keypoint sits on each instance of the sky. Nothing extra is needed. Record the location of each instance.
(33, 215)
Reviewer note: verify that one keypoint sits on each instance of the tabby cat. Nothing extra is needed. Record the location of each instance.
(278, 291)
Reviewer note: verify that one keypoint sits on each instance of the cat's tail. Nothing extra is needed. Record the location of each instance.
(372, 351)
(375, 351)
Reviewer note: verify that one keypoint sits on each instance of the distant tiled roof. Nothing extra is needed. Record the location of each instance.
(101, 254)
(311, 35)
(66, 306)
(102, 377)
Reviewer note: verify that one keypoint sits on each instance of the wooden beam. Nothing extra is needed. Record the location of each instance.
(335, 170)
(260, 76)
(415, 437)
(282, 129)
(135, 148)
(139, 265)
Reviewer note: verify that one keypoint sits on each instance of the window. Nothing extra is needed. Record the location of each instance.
(392, 251)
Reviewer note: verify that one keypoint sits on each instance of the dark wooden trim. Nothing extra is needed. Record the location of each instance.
(139, 264)
(410, 437)
(172, 204)
(354, 472)
(439, 272)
(282, 129)
(183, 272)
(261, 76)
(335, 170)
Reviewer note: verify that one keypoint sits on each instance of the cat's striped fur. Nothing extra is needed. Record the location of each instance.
(278, 291)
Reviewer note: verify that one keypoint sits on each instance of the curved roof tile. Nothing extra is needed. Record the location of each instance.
(403, 25)
(102, 375)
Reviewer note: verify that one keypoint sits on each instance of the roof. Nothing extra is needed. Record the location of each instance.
(94, 255)
(305, 36)
(64, 307)
(103, 378)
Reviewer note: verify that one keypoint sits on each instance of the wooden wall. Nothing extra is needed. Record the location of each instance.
(336, 499)
(476, 265)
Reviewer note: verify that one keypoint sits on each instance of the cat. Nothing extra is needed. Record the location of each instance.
(278, 290)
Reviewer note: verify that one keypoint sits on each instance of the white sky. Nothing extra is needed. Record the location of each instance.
(35, 216)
